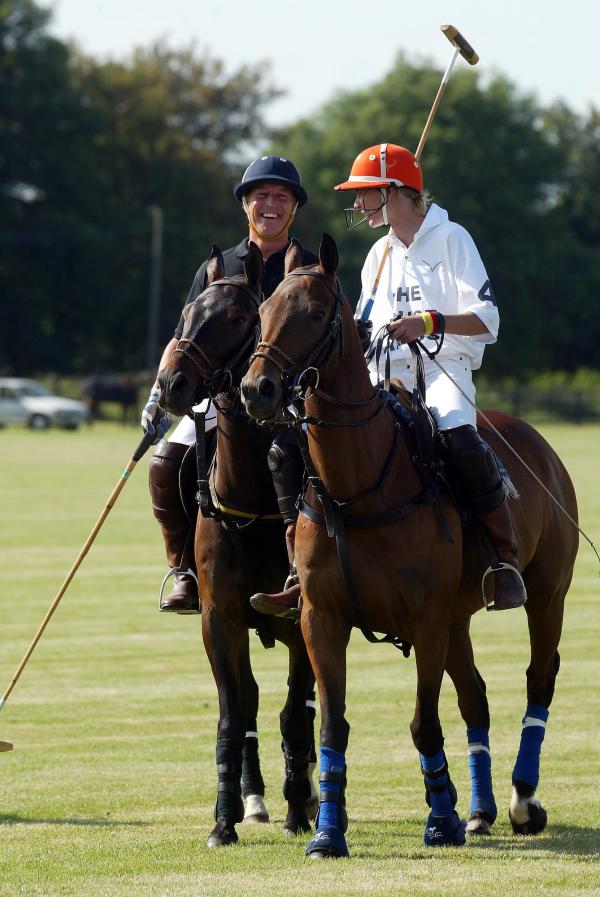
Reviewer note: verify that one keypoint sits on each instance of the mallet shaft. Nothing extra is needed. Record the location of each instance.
(139, 452)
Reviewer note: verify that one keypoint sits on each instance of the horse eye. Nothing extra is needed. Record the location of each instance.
(318, 315)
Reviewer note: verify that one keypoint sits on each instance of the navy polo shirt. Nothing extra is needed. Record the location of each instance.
(234, 265)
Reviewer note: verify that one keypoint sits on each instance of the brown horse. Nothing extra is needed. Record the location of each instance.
(407, 578)
(240, 546)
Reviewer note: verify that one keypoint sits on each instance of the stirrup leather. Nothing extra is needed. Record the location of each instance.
(501, 565)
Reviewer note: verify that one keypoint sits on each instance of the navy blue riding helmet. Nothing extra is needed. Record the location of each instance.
(272, 169)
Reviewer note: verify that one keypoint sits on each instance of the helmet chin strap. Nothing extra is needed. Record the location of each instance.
(253, 228)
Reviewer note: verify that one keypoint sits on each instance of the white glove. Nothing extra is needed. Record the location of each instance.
(155, 421)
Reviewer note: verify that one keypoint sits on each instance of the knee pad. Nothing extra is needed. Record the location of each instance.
(287, 469)
(475, 467)
(164, 465)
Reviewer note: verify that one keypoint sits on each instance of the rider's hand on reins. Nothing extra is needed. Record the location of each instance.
(407, 329)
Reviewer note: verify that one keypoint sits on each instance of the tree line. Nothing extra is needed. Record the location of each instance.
(88, 147)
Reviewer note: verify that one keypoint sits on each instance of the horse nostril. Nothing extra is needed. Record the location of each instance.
(266, 388)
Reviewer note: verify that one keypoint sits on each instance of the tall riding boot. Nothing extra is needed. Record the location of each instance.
(177, 532)
(509, 588)
(286, 603)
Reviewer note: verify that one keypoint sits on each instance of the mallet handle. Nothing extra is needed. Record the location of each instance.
(142, 448)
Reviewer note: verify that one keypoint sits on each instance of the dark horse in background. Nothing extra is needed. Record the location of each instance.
(410, 581)
(240, 546)
(121, 390)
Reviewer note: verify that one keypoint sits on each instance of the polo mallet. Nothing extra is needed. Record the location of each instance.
(139, 453)
(468, 53)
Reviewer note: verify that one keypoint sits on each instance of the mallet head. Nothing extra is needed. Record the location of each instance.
(5, 746)
(464, 47)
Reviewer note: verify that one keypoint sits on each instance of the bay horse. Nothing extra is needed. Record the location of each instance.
(406, 579)
(240, 547)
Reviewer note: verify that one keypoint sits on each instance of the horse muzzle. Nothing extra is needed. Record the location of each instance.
(262, 396)
(178, 391)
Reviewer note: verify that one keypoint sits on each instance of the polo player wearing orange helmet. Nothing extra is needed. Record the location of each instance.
(423, 278)
(432, 280)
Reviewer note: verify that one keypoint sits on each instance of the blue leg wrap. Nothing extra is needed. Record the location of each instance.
(331, 819)
(480, 766)
(527, 767)
(443, 824)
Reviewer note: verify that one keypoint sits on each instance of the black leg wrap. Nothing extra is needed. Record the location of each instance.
(229, 803)
(296, 786)
(287, 469)
(252, 780)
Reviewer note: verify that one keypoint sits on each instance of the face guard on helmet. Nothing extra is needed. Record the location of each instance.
(380, 168)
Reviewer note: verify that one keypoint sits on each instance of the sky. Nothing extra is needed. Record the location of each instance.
(318, 48)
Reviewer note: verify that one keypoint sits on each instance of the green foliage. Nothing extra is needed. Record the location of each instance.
(86, 147)
(523, 182)
(91, 146)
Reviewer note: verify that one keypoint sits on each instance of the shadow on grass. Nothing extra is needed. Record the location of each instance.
(557, 839)
(15, 819)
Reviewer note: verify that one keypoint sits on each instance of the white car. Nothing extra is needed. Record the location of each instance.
(30, 403)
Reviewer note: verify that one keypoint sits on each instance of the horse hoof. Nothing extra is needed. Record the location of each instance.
(327, 844)
(479, 823)
(444, 831)
(296, 825)
(223, 834)
(536, 820)
(255, 810)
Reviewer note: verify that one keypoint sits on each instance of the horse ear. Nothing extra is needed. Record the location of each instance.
(294, 257)
(215, 268)
(328, 256)
(254, 267)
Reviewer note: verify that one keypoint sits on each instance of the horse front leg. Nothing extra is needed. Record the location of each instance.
(326, 637)
(253, 786)
(297, 732)
(430, 641)
(226, 645)
(474, 709)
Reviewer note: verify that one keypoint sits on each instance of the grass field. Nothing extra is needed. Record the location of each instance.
(110, 787)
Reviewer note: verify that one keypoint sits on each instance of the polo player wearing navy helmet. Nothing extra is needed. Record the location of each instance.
(270, 192)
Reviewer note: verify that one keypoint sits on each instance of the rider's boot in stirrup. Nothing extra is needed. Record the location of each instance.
(177, 532)
(286, 603)
(509, 588)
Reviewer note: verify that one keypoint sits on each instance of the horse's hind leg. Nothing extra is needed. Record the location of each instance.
(297, 743)
(473, 706)
(526, 814)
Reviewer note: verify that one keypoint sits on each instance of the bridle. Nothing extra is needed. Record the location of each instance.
(295, 374)
(219, 380)
(293, 371)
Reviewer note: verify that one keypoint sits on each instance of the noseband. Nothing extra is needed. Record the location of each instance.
(219, 380)
(321, 353)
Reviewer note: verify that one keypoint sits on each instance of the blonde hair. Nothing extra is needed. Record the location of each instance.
(421, 199)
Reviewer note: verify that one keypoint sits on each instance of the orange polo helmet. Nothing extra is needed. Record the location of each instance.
(384, 165)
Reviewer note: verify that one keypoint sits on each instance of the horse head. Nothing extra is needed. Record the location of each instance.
(301, 326)
(220, 332)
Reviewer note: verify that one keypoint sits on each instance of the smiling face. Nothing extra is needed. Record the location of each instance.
(270, 208)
